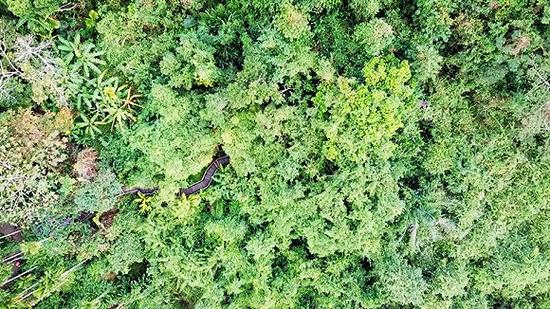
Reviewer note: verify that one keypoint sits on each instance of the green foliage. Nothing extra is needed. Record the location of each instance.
(373, 37)
(80, 57)
(371, 113)
(89, 127)
(100, 100)
(384, 154)
(291, 22)
(99, 195)
(191, 64)
(37, 15)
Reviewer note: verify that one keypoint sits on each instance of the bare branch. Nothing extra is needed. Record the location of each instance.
(542, 78)
(9, 234)
(18, 276)
(13, 257)
(67, 7)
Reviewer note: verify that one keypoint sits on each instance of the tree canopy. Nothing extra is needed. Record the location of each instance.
(384, 153)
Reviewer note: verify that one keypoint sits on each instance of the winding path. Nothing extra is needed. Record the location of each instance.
(194, 188)
(9, 231)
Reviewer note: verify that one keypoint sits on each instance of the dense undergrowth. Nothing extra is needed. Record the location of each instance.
(384, 153)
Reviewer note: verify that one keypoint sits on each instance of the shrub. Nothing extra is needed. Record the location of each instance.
(37, 15)
(99, 195)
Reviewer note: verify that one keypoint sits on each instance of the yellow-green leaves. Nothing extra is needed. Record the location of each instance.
(31, 248)
(375, 71)
(389, 72)
(365, 116)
